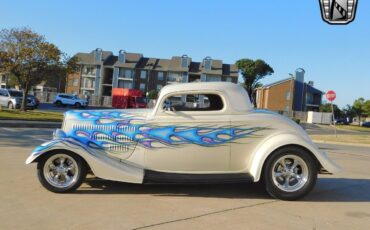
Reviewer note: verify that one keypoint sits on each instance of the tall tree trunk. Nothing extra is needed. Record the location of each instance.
(24, 98)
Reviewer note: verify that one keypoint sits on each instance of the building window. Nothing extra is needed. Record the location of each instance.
(175, 78)
(159, 87)
(287, 95)
(124, 84)
(160, 76)
(75, 82)
(229, 79)
(89, 70)
(184, 61)
(213, 78)
(142, 74)
(126, 73)
(88, 83)
(142, 86)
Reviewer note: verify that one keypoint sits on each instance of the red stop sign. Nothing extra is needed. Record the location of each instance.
(330, 95)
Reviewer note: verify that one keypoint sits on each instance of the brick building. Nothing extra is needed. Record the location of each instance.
(291, 94)
(101, 71)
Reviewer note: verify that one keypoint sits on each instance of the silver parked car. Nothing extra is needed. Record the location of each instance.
(12, 99)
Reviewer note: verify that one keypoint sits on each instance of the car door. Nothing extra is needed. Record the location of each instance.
(3, 97)
(189, 140)
(69, 100)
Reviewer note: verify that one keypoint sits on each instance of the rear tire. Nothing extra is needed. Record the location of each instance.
(290, 173)
(10, 105)
(61, 171)
(78, 105)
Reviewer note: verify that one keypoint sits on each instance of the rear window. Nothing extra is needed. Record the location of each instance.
(194, 102)
(15, 93)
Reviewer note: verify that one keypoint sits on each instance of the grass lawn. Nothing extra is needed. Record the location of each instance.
(31, 115)
(360, 139)
(354, 127)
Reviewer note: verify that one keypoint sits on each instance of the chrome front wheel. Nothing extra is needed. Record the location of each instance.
(61, 172)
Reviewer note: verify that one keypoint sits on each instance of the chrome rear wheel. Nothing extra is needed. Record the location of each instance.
(290, 173)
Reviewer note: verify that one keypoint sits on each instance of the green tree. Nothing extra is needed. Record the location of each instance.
(253, 71)
(326, 108)
(28, 56)
(359, 108)
(348, 111)
(153, 94)
(367, 107)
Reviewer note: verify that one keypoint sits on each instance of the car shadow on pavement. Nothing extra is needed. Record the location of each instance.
(326, 190)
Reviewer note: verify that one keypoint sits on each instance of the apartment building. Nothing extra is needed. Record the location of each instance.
(290, 94)
(101, 71)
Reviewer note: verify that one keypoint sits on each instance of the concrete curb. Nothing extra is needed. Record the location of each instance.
(341, 143)
(30, 124)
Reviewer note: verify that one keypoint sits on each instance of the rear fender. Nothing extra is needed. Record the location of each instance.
(263, 151)
(101, 164)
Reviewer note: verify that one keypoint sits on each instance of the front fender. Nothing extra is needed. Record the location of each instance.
(101, 164)
(264, 149)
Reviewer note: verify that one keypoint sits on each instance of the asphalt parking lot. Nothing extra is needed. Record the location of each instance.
(339, 201)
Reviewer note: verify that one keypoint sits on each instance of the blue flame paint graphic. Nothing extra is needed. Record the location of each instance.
(118, 131)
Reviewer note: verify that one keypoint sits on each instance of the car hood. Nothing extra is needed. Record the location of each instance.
(106, 116)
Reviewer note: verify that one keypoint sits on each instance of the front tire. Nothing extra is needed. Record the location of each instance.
(78, 105)
(290, 173)
(58, 103)
(10, 105)
(61, 172)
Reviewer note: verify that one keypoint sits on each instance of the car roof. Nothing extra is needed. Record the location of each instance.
(237, 96)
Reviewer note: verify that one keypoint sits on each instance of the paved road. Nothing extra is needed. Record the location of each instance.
(341, 201)
(314, 129)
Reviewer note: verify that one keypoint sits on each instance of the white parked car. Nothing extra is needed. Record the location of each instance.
(67, 99)
(216, 138)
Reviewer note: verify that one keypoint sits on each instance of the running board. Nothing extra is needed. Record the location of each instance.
(151, 177)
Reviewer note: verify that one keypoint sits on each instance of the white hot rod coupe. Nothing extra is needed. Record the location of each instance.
(196, 133)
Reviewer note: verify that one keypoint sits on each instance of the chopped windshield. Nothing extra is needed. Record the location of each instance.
(15, 93)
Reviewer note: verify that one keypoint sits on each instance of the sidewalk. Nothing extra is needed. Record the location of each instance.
(358, 140)
(30, 124)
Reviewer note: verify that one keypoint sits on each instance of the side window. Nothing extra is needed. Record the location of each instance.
(3, 93)
(193, 102)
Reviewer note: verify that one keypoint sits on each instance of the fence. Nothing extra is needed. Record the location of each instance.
(48, 97)
(302, 116)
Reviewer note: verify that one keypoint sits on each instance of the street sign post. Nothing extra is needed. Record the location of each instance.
(331, 95)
